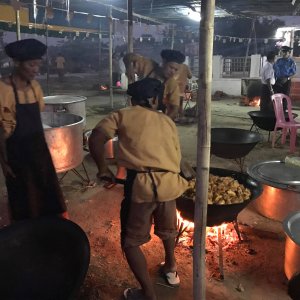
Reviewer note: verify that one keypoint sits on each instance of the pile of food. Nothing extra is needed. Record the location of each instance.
(221, 190)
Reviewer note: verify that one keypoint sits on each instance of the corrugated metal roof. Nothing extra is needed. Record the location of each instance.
(173, 11)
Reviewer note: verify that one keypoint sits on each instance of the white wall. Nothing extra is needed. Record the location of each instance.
(230, 86)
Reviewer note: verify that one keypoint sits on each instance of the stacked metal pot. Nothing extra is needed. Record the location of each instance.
(64, 120)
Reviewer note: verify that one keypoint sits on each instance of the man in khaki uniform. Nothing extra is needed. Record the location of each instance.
(182, 75)
(60, 66)
(147, 68)
(171, 61)
(149, 149)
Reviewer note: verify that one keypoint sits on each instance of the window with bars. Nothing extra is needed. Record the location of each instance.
(236, 66)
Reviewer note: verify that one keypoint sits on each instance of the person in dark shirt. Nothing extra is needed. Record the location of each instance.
(284, 68)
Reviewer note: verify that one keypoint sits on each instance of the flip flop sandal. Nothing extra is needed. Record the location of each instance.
(171, 278)
(133, 294)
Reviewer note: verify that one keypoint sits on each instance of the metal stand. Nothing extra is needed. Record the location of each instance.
(220, 245)
(85, 180)
(240, 162)
(257, 130)
(183, 228)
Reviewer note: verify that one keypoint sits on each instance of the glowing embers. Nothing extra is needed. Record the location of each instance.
(254, 102)
(186, 231)
(219, 237)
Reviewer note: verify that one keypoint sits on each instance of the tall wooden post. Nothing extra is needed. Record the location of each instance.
(100, 49)
(111, 95)
(203, 146)
(248, 46)
(47, 59)
(130, 27)
(18, 28)
(173, 36)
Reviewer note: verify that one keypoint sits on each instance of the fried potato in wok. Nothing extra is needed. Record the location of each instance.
(221, 190)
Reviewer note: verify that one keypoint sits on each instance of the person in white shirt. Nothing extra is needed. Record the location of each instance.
(267, 80)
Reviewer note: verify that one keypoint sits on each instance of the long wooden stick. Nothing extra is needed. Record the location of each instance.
(203, 145)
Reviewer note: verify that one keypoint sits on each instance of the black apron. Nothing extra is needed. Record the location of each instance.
(266, 103)
(125, 205)
(35, 191)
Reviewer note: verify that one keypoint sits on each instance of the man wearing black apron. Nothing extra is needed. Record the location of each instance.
(149, 149)
(31, 180)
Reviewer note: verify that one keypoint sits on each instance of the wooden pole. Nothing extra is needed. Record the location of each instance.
(18, 24)
(130, 26)
(47, 59)
(203, 146)
(173, 36)
(248, 46)
(99, 51)
(111, 96)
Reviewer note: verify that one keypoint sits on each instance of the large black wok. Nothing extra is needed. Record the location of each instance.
(218, 214)
(233, 143)
(42, 259)
(265, 120)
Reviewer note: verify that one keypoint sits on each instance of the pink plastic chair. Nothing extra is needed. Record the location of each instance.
(281, 122)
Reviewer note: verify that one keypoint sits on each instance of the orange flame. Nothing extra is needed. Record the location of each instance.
(254, 102)
(228, 234)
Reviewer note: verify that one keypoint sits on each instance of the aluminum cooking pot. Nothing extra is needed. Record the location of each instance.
(66, 104)
(291, 226)
(281, 194)
(63, 133)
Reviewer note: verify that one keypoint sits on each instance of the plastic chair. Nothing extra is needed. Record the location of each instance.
(291, 125)
(43, 259)
(187, 97)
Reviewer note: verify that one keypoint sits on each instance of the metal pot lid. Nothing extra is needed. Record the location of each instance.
(291, 226)
(63, 99)
(276, 174)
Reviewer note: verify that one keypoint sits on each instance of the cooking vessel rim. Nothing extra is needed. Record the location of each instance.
(254, 135)
(63, 126)
(48, 101)
(251, 171)
(286, 226)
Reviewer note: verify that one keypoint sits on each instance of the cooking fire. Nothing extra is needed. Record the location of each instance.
(254, 102)
(186, 231)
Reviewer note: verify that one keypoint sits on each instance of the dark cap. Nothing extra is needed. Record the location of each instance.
(145, 89)
(169, 55)
(27, 49)
(286, 48)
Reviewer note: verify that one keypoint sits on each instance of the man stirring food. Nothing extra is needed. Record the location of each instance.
(149, 149)
(31, 180)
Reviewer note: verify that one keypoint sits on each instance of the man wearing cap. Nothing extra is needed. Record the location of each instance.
(31, 180)
(171, 60)
(284, 68)
(149, 149)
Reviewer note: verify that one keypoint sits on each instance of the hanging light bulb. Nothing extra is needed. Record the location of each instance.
(34, 10)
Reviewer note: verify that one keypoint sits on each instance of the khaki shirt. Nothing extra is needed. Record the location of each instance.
(60, 62)
(182, 75)
(147, 139)
(8, 103)
(171, 92)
